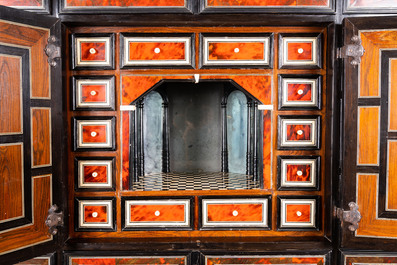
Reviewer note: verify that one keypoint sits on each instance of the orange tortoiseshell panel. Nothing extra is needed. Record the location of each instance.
(101, 214)
(298, 213)
(166, 213)
(145, 51)
(318, 3)
(125, 152)
(102, 176)
(249, 212)
(41, 137)
(129, 260)
(267, 148)
(226, 51)
(372, 3)
(10, 91)
(292, 132)
(368, 135)
(265, 3)
(299, 51)
(99, 95)
(392, 176)
(305, 95)
(23, 3)
(125, 3)
(292, 172)
(265, 260)
(98, 55)
(100, 131)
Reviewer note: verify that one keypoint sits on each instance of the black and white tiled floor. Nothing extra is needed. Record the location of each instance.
(195, 181)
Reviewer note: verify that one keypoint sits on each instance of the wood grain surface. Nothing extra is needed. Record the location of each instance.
(368, 135)
(41, 136)
(392, 176)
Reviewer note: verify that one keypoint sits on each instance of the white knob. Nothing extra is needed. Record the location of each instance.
(300, 50)
(236, 50)
(298, 213)
(93, 93)
(299, 132)
(157, 213)
(235, 213)
(157, 50)
(300, 92)
(92, 51)
(94, 174)
(94, 214)
(299, 173)
(93, 134)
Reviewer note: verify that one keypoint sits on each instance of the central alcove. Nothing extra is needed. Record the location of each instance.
(196, 136)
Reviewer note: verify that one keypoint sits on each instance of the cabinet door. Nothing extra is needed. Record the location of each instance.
(369, 158)
(30, 128)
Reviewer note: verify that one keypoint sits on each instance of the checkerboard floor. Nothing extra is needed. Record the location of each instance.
(195, 181)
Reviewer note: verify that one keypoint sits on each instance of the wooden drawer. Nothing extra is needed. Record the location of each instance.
(157, 214)
(299, 132)
(93, 92)
(156, 51)
(300, 51)
(93, 51)
(268, 259)
(94, 214)
(94, 173)
(252, 51)
(239, 213)
(299, 92)
(128, 259)
(93, 133)
(298, 213)
(298, 172)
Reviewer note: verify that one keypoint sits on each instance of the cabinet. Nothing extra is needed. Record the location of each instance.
(190, 142)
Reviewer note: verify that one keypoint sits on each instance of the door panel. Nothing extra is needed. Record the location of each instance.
(30, 126)
(369, 150)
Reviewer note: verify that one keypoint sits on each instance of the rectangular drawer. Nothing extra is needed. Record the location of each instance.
(157, 214)
(236, 51)
(92, 51)
(95, 214)
(228, 213)
(156, 51)
(149, 260)
(94, 173)
(93, 92)
(298, 172)
(268, 259)
(94, 133)
(298, 213)
(298, 132)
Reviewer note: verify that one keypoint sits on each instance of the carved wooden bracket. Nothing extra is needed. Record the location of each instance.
(354, 50)
(52, 50)
(352, 216)
(54, 219)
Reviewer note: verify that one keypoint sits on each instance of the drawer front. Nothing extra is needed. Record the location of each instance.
(255, 260)
(94, 214)
(94, 174)
(299, 132)
(301, 92)
(93, 51)
(300, 51)
(236, 51)
(298, 213)
(93, 92)
(166, 260)
(157, 213)
(156, 51)
(298, 172)
(94, 134)
(251, 212)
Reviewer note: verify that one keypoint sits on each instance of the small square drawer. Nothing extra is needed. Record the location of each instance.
(95, 214)
(300, 51)
(232, 50)
(298, 132)
(89, 258)
(93, 92)
(298, 172)
(299, 92)
(298, 213)
(94, 133)
(92, 51)
(238, 213)
(149, 213)
(156, 51)
(94, 173)
(252, 259)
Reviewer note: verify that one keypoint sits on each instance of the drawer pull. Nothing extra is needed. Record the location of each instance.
(236, 50)
(300, 92)
(157, 50)
(299, 132)
(300, 50)
(95, 214)
(235, 213)
(93, 134)
(92, 51)
(157, 213)
(93, 93)
(299, 173)
(94, 174)
(299, 213)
